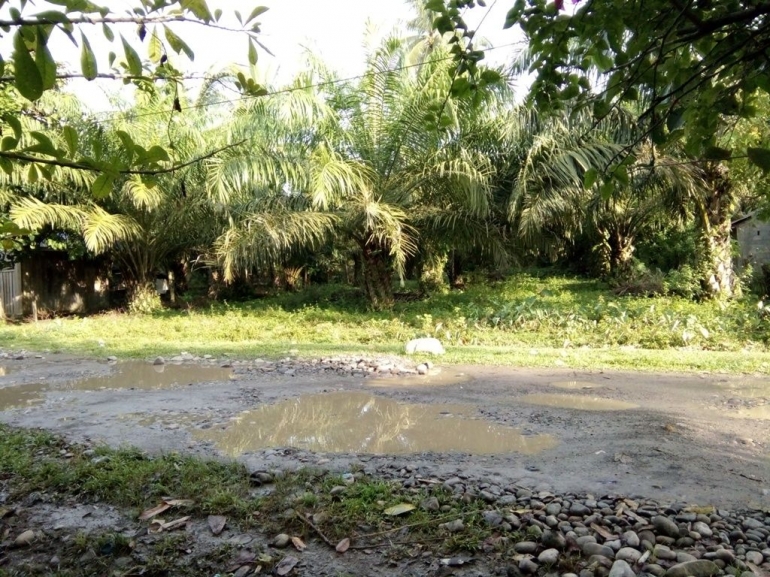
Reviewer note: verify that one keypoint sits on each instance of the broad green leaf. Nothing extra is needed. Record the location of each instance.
(435, 5)
(71, 138)
(607, 189)
(108, 33)
(259, 10)
(177, 44)
(32, 174)
(14, 123)
(8, 143)
(6, 165)
(156, 154)
(87, 59)
(252, 53)
(199, 8)
(717, 153)
(44, 60)
(590, 177)
(102, 186)
(155, 48)
(217, 14)
(27, 77)
(760, 157)
(44, 144)
(399, 509)
(132, 58)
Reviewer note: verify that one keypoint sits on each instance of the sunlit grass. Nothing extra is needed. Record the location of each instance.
(549, 321)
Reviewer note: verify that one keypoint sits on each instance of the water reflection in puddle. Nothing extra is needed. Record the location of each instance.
(572, 385)
(576, 402)
(21, 396)
(145, 377)
(130, 375)
(356, 422)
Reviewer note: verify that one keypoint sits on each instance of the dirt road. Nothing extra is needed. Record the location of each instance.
(689, 438)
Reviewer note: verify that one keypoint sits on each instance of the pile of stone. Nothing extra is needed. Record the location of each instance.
(613, 536)
(290, 366)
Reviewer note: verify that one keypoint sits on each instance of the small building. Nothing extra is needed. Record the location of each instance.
(48, 282)
(753, 237)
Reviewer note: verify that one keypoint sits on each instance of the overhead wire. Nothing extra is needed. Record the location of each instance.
(120, 115)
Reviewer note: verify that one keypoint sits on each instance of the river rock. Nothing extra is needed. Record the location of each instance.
(281, 541)
(493, 518)
(525, 547)
(25, 538)
(631, 539)
(702, 528)
(453, 526)
(429, 345)
(528, 566)
(628, 554)
(430, 504)
(753, 524)
(621, 569)
(755, 557)
(699, 568)
(553, 540)
(549, 557)
(596, 549)
(665, 526)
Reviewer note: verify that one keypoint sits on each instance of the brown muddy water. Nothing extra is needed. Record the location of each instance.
(125, 376)
(358, 422)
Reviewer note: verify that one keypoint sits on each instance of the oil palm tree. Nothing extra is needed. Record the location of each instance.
(367, 162)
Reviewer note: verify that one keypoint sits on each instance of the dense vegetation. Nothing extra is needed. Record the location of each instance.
(419, 178)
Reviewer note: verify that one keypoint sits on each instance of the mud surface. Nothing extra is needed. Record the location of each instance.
(695, 438)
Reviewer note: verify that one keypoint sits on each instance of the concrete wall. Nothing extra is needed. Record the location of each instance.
(58, 285)
(753, 238)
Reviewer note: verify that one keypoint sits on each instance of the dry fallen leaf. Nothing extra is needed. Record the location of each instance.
(150, 513)
(176, 523)
(286, 565)
(217, 523)
(179, 502)
(298, 543)
(399, 509)
(343, 545)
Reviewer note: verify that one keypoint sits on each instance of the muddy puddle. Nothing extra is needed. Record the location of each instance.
(358, 422)
(146, 377)
(128, 376)
(760, 413)
(576, 402)
(436, 378)
(21, 396)
(575, 385)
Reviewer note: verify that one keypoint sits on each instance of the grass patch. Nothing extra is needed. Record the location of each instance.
(40, 463)
(528, 320)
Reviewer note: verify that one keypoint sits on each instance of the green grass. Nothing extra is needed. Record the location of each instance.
(34, 462)
(528, 320)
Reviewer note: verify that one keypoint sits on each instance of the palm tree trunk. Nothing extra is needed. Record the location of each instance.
(716, 248)
(378, 285)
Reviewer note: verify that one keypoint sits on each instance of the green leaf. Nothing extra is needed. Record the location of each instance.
(44, 144)
(199, 8)
(102, 186)
(717, 153)
(108, 33)
(258, 11)
(155, 47)
(132, 58)
(44, 61)
(252, 53)
(760, 157)
(607, 189)
(14, 123)
(435, 5)
(87, 59)
(156, 154)
(8, 143)
(6, 165)
(71, 138)
(27, 77)
(177, 44)
(590, 177)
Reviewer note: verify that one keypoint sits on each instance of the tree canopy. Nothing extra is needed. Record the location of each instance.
(687, 67)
